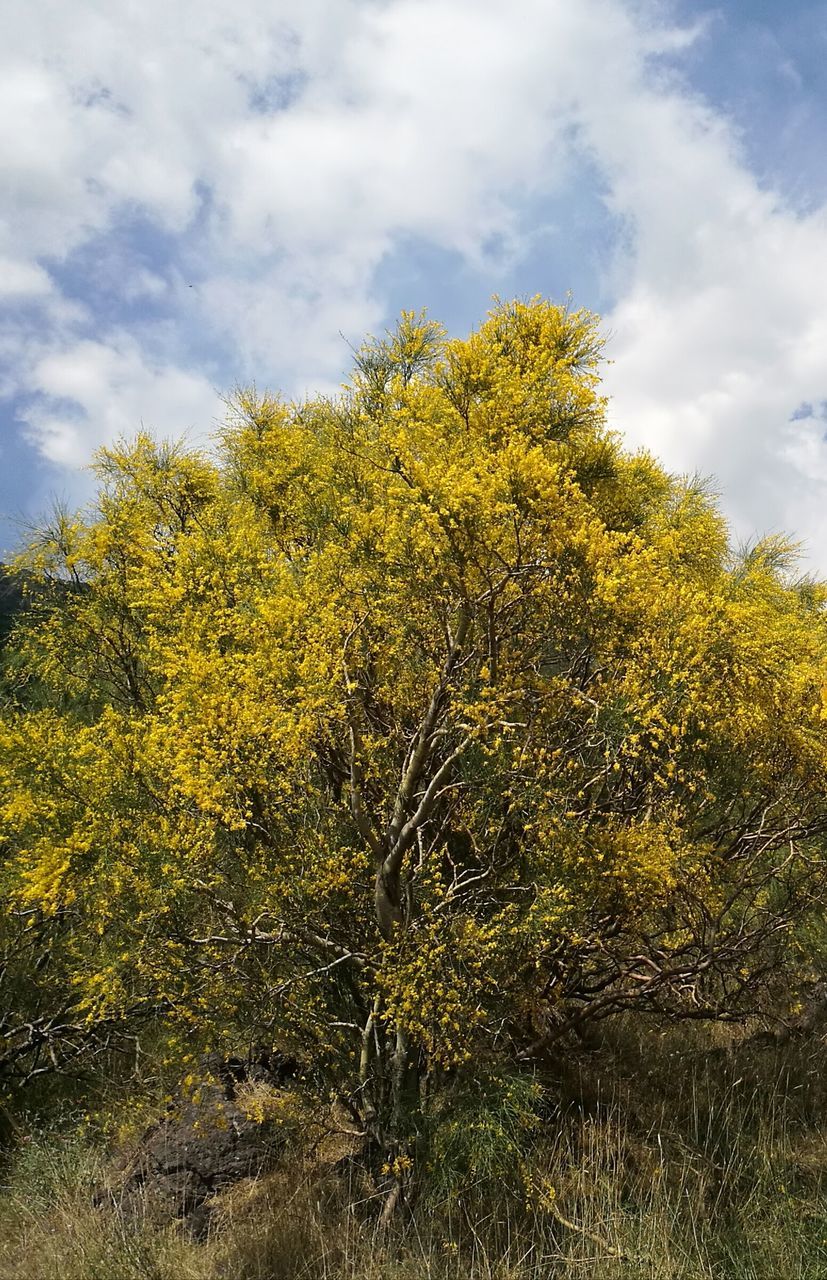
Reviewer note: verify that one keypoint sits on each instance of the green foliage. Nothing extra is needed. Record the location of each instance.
(481, 1137)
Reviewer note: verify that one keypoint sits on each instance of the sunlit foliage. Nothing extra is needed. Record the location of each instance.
(415, 728)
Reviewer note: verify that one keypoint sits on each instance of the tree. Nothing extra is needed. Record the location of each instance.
(418, 729)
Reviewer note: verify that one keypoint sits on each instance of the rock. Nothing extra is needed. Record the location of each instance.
(207, 1140)
(263, 1066)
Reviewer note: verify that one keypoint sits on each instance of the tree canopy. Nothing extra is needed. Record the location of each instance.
(413, 729)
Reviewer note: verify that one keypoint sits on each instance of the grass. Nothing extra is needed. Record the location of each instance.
(666, 1158)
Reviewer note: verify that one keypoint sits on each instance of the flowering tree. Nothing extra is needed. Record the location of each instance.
(415, 729)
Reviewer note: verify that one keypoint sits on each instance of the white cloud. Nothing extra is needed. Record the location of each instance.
(287, 147)
(20, 280)
(721, 327)
(93, 392)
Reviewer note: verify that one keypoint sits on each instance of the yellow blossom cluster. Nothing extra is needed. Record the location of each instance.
(421, 710)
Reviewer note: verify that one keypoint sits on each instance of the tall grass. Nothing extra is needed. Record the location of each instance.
(667, 1159)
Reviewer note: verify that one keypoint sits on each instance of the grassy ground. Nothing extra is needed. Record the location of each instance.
(667, 1158)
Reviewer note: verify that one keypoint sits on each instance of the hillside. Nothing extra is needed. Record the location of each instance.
(11, 599)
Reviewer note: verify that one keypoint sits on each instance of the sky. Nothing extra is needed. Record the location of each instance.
(203, 195)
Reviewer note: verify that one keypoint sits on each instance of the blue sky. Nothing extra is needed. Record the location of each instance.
(205, 194)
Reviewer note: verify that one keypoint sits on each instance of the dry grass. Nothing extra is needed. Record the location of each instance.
(685, 1165)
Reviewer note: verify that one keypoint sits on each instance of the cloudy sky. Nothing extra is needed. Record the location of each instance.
(201, 194)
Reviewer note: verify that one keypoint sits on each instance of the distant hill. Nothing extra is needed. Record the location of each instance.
(12, 600)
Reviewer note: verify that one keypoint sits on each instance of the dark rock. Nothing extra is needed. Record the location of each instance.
(206, 1141)
(263, 1066)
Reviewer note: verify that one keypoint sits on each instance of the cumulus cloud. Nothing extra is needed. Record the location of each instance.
(23, 280)
(284, 150)
(720, 328)
(90, 393)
